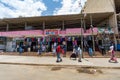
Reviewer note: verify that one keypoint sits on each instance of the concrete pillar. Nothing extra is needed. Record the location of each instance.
(113, 24)
(25, 25)
(7, 27)
(44, 25)
(63, 25)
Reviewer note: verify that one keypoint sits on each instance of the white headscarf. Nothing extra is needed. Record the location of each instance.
(111, 47)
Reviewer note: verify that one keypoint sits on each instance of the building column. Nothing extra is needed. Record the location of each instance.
(25, 25)
(7, 27)
(44, 25)
(113, 24)
(63, 25)
(115, 31)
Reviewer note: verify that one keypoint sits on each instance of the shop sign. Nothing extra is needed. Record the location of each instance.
(51, 32)
(103, 30)
(74, 31)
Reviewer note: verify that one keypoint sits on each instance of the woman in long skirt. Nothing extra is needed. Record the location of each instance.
(113, 58)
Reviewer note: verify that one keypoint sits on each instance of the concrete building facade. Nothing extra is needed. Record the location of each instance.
(95, 13)
(104, 6)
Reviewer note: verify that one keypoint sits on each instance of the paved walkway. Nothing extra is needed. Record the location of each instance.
(51, 61)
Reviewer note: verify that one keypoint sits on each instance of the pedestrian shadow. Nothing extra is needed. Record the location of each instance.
(56, 68)
(86, 59)
(113, 62)
(73, 59)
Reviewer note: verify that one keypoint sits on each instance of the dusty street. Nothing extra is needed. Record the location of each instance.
(22, 72)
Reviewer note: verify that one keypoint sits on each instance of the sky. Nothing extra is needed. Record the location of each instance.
(31, 8)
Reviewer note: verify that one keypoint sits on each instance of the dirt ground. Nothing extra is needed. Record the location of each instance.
(22, 72)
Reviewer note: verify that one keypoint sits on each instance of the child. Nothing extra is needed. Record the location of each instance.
(113, 58)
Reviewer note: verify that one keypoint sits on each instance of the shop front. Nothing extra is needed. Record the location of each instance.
(2, 44)
(30, 40)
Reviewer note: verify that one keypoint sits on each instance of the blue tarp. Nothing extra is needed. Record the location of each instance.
(118, 47)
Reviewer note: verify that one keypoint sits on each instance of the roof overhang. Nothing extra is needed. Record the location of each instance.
(40, 19)
(96, 17)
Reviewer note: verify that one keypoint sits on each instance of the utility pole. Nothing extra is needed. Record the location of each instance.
(91, 21)
(80, 5)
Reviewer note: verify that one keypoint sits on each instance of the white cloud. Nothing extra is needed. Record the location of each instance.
(69, 7)
(27, 8)
(24, 8)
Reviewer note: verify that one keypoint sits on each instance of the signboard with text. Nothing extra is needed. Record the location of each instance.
(51, 32)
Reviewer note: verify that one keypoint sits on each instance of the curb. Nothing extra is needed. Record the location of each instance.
(62, 66)
(55, 56)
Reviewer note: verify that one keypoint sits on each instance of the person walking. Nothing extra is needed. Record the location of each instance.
(20, 50)
(39, 50)
(90, 51)
(58, 50)
(79, 54)
(103, 50)
(112, 58)
(64, 49)
(53, 50)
